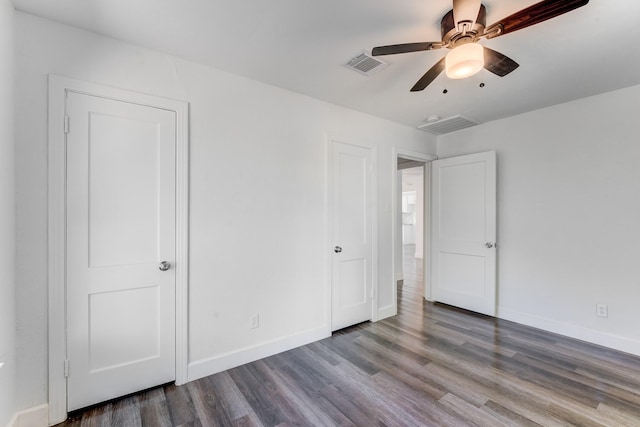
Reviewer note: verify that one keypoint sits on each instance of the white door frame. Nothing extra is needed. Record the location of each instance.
(426, 159)
(330, 140)
(58, 89)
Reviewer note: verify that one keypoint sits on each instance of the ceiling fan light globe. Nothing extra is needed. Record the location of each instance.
(464, 61)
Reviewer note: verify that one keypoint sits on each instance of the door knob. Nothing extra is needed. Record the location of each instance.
(164, 266)
(489, 245)
(337, 249)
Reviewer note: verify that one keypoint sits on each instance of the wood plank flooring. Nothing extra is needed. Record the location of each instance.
(431, 365)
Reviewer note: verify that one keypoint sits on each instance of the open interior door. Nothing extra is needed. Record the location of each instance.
(463, 267)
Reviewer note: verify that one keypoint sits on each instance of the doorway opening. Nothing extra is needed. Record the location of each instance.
(412, 232)
(411, 213)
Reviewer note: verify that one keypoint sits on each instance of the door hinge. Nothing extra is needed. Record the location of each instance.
(66, 124)
(66, 368)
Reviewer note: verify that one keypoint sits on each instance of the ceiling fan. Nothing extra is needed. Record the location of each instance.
(464, 26)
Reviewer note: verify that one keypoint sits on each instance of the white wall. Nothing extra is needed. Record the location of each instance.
(568, 215)
(258, 195)
(7, 242)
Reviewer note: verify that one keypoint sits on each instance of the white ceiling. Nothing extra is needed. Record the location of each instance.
(301, 45)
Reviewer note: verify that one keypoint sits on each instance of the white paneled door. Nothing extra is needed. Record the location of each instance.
(352, 227)
(120, 248)
(463, 265)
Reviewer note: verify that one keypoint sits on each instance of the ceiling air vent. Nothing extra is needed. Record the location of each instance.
(366, 64)
(450, 124)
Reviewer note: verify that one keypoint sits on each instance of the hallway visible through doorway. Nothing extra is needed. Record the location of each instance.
(412, 227)
(412, 284)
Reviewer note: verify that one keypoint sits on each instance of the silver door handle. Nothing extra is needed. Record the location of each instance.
(337, 249)
(489, 245)
(164, 266)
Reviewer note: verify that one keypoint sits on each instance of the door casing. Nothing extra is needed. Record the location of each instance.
(58, 89)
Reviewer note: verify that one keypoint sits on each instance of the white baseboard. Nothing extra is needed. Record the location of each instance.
(615, 342)
(387, 311)
(37, 416)
(213, 365)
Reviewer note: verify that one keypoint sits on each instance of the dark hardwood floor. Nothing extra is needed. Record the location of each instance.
(431, 365)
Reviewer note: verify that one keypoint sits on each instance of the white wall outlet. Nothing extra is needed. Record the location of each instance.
(602, 310)
(254, 321)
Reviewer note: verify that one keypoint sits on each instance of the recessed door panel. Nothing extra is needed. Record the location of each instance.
(462, 274)
(462, 198)
(115, 164)
(115, 340)
(352, 198)
(354, 272)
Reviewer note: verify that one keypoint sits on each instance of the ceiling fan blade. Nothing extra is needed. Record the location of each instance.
(403, 48)
(497, 63)
(465, 11)
(429, 76)
(535, 14)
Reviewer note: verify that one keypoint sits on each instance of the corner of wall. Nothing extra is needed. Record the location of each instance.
(7, 215)
(388, 311)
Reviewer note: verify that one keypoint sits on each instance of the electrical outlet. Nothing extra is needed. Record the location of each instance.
(254, 321)
(602, 310)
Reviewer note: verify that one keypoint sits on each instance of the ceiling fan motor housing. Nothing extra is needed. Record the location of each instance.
(452, 37)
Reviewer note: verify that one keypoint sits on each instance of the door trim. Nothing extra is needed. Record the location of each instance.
(426, 160)
(58, 89)
(330, 140)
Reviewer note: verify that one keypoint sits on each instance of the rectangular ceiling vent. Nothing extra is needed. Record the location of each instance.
(450, 124)
(366, 64)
